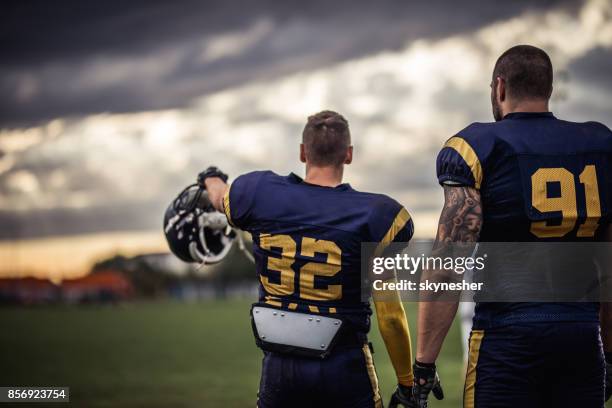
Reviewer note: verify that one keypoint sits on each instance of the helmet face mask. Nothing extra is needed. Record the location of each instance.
(195, 231)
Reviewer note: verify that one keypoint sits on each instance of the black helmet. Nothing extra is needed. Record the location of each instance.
(195, 231)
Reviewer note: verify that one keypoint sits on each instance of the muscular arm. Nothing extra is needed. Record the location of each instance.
(460, 221)
(216, 189)
(393, 328)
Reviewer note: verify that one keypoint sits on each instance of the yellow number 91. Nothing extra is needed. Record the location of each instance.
(566, 202)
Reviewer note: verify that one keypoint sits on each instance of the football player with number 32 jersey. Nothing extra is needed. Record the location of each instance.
(307, 236)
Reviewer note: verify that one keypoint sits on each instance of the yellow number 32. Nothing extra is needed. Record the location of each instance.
(566, 202)
(283, 265)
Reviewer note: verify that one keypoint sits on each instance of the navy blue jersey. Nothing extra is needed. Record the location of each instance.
(540, 179)
(307, 240)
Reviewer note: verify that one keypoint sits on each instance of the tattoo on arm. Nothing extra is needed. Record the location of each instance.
(458, 233)
(461, 218)
(460, 223)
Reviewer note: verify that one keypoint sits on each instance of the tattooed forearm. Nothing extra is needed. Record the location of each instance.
(461, 218)
(458, 231)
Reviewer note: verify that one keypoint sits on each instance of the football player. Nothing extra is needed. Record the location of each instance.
(307, 235)
(526, 177)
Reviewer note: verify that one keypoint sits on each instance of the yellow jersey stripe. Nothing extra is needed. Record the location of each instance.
(372, 374)
(400, 222)
(226, 207)
(469, 156)
(470, 377)
(314, 309)
(274, 303)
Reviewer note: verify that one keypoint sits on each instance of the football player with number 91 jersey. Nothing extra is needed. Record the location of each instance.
(528, 177)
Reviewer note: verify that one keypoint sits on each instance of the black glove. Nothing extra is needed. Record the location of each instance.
(608, 380)
(212, 171)
(402, 395)
(425, 380)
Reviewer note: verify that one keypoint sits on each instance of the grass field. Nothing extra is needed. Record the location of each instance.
(158, 354)
(161, 355)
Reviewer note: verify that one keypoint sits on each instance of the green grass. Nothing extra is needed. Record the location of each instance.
(153, 355)
(161, 355)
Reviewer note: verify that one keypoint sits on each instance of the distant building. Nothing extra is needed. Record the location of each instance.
(145, 276)
(102, 286)
(28, 291)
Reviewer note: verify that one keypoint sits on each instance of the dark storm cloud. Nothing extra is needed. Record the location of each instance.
(43, 223)
(591, 75)
(117, 172)
(594, 67)
(72, 58)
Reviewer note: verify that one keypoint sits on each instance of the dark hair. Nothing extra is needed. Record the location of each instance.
(326, 138)
(527, 71)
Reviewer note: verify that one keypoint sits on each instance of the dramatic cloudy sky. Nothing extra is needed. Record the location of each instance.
(109, 108)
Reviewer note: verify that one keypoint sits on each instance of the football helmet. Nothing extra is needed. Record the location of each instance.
(195, 231)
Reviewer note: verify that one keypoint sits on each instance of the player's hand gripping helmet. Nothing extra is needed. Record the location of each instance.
(195, 231)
